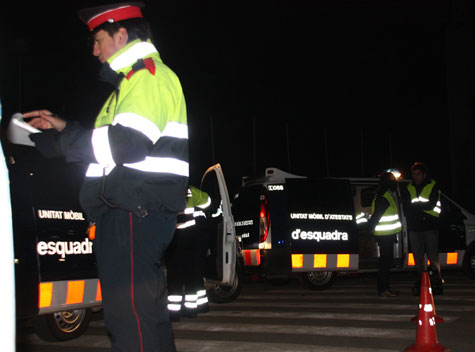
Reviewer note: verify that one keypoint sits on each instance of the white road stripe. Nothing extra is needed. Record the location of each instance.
(232, 346)
(380, 305)
(319, 316)
(346, 331)
(297, 296)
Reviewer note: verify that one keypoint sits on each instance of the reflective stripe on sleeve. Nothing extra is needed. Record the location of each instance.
(158, 164)
(100, 144)
(139, 123)
(205, 205)
(96, 170)
(198, 213)
(419, 199)
(176, 129)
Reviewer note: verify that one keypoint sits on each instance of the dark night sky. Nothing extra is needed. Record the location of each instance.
(267, 83)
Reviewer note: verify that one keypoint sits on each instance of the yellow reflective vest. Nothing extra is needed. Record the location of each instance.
(390, 223)
(424, 197)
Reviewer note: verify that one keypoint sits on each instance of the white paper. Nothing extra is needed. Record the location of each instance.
(18, 131)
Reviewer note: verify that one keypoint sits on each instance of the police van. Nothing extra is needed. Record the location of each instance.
(57, 285)
(291, 225)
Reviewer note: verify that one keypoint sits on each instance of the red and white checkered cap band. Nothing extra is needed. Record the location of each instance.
(119, 14)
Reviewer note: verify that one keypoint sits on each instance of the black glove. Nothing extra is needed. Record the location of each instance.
(47, 143)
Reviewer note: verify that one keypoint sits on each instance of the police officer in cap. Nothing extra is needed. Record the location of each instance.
(137, 156)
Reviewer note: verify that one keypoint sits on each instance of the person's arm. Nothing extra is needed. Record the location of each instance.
(380, 206)
(433, 199)
(77, 144)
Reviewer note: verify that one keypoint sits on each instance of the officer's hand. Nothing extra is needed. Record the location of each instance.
(45, 119)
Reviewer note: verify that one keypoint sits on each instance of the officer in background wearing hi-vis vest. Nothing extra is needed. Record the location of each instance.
(186, 257)
(385, 221)
(421, 199)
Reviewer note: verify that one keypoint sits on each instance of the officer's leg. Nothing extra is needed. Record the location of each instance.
(432, 248)
(189, 249)
(205, 238)
(417, 245)
(385, 261)
(151, 236)
(173, 260)
(112, 249)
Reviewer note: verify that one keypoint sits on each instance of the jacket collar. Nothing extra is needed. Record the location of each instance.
(119, 64)
(124, 58)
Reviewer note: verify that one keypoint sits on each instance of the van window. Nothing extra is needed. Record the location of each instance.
(452, 227)
(246, 209)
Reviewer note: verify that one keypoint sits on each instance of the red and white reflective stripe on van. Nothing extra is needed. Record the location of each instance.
(447, 260)
(57, 296)
(321, 262)
(252, 257)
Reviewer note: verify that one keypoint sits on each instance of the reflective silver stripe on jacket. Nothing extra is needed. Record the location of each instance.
(163, 165)
(150, 164)
(139, 123)
(101, 147)
(387, 227)
(420, 199)
(96, 170)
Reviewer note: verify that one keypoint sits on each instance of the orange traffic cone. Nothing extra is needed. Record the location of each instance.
(426, 340)
(425, 285)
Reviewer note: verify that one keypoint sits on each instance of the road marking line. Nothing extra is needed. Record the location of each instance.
(319, 316)
(213, 346)
(345, 331)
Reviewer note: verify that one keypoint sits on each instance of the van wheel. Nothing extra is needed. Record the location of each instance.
(318, 280)
(224, 294)
(470, 262)
(62, 326)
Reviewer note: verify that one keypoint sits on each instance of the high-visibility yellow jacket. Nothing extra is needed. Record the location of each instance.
(389, 223)
(138, 151)
(197, 202)
(424, 197)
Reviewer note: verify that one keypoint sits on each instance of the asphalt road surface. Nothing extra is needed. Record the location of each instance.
(348, 317)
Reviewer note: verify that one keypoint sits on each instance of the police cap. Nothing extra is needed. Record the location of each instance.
(95, 16)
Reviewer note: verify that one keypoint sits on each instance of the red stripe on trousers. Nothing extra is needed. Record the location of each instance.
(132, 280)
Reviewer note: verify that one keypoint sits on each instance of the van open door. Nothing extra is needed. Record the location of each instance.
(221, 277)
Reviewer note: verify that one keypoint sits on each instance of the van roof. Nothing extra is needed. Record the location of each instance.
(272, 174)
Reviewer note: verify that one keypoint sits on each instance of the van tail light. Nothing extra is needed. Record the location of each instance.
(263, 219)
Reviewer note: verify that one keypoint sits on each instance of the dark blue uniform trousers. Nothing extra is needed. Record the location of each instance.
(129, 251)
